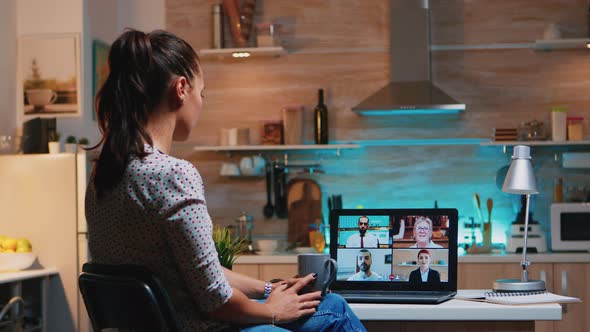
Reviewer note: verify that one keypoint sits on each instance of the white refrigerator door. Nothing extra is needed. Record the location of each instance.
(38, 198)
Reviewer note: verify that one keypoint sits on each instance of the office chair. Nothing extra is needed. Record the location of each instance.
(126, 297)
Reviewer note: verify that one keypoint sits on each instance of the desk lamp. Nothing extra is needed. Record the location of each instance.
(520, 180)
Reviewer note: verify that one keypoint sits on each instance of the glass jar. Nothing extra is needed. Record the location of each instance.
(267, 34)
(575, 128)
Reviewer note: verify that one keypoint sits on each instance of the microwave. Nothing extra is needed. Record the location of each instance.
(570, 226)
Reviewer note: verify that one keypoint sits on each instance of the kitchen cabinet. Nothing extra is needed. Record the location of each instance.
(573, 280)
(561, 278)
(483, 275)
(267, 271)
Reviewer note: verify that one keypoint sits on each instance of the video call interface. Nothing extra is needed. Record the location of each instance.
(397, 248)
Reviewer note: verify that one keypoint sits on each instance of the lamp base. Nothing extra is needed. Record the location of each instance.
(517, 285)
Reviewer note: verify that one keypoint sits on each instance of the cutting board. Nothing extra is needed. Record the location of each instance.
(304, 203)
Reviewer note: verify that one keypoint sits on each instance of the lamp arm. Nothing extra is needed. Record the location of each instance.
(525, 263)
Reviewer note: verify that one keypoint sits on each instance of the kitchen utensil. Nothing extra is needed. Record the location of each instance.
(232, 10)
(477, 207)
(268, 209)
(487, 226)
(304, 201)
(280, 183)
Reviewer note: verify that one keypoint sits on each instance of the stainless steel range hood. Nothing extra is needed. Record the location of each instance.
(411, 90)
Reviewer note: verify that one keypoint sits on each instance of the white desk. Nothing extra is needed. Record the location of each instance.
(454, 315)
(14, 279)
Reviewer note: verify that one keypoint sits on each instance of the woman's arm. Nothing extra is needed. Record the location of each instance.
(251, 287)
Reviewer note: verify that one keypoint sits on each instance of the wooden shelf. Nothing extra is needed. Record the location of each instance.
(419, 141)
(535, 143)
(561, 44)
(221, 53)
(234, 148)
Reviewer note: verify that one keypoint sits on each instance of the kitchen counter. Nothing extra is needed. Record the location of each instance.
(562, 257)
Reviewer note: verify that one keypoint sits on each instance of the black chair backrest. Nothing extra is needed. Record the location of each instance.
(126, 297)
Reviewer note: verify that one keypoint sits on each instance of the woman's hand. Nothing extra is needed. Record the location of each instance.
(287, 305)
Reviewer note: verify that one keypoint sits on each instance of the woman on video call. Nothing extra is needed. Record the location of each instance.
(424, 274)
(423, 234)
(146, 207)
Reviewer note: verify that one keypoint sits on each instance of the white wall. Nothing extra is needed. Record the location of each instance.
(145, 15)
(8, 67)
(101, 19)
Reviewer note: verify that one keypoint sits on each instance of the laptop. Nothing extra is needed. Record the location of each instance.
(394, 255)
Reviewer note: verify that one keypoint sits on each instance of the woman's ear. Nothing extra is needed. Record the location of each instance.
(179, 92)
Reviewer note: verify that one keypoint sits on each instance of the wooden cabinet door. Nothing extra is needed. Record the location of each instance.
(251, 270)
(573, 280)
(483, 275)
(280, 271)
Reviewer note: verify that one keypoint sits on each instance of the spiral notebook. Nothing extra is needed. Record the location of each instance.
(514, 297)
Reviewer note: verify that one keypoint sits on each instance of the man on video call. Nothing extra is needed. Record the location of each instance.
(364, 261)
(362, 239)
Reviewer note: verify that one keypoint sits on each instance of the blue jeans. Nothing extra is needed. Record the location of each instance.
(333, 314)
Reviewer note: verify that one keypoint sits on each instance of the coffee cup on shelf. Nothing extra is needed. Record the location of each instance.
(41, 97)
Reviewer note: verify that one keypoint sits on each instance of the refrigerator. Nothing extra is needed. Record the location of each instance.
(42, 199)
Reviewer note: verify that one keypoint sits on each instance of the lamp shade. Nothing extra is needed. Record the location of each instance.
(520, 178)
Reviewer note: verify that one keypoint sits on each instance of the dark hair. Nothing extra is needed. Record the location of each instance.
(141, 67)
(364, 250)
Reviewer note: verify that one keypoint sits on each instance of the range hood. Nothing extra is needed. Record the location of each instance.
(411, 90)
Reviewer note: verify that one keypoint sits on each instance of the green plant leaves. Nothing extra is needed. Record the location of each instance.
(228, 248)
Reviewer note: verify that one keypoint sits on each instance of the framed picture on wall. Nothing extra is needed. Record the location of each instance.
(100, 67)
(49, 76)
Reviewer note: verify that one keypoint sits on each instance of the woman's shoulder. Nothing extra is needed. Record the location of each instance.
(162, 166)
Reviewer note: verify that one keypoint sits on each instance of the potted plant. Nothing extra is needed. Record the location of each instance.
(82, 143)
(70, 146)
(53, 142)
(228, 247)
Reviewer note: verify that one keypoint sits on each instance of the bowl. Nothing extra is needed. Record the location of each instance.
(305, 250)
(267, 246)
(16, 261)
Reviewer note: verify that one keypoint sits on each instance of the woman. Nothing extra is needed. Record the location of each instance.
(424, 274)
(423, 234)
(146, 207)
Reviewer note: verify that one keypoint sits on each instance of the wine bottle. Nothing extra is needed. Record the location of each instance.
(321, 120)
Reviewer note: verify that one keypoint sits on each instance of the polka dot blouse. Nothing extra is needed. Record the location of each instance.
(157, 216)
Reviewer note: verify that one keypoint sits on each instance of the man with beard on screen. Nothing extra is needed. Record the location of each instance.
(362, 239)
(364, 261)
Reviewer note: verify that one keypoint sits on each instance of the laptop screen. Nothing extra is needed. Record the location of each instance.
(394, 249)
